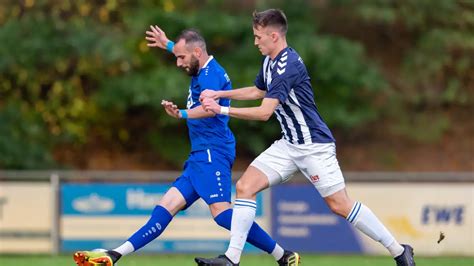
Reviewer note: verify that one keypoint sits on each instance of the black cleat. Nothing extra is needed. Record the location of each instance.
(406, 258)
(221, 260)
(289, 258)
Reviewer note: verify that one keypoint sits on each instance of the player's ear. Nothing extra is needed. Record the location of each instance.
(197, 52)
(275, 36)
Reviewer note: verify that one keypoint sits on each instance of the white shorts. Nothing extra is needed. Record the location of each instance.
(317, 161)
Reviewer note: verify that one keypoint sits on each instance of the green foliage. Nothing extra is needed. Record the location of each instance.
(78, 72)
(27, 144)
(441, 31)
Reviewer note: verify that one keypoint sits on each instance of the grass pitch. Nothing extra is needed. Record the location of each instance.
(247, 260)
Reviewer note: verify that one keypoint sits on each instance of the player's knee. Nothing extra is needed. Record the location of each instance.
(337, 208)
(245, 188)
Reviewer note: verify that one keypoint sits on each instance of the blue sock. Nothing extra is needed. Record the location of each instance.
(257, 236)
(160, 218)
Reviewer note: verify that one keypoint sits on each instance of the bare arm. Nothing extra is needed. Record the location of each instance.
(194, 113)
(262, 112)
(247, 93)
(199, 112)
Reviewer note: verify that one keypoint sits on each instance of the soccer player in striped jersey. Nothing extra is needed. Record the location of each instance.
(207, 172)
(307, 144)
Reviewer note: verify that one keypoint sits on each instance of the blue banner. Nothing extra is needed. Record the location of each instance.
(101, 215)
(302, 221)
(94, 199)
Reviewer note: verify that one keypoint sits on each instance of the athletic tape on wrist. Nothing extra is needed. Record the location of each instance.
(225, 110)
(169, 46)
(184, 114)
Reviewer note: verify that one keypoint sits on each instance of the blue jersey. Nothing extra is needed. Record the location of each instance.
(212, 132)
(285, 78)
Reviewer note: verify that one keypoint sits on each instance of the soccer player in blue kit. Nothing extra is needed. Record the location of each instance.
(307, 144)
(207, 172)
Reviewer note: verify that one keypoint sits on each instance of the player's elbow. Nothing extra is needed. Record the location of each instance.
(265, 116)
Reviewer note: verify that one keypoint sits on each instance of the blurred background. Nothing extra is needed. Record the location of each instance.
(79, 88)
(81, 91)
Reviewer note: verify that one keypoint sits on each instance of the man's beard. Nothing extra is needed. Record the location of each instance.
(193, 67)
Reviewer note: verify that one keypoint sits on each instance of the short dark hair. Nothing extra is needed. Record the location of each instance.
(271, 17)
(192, 36)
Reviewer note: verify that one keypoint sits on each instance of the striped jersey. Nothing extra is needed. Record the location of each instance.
(285, 78)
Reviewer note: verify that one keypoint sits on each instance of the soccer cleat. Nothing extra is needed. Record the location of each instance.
(221, 260)
(289, 258)
(406, 258)
(93, 258)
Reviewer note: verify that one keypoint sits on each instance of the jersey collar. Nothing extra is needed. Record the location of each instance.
(207, 62)
(283, 51)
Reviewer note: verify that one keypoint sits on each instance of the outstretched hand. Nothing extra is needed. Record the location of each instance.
(156, 37)
(171, 109)
(211, 105)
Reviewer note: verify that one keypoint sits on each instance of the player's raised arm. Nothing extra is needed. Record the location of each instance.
(156, 37)
(247, 93)
(262, 112)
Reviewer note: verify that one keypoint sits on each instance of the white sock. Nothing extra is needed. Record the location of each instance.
(278, 252)
(125, 248)
(366, 221)
(243, 217)
(395, 249)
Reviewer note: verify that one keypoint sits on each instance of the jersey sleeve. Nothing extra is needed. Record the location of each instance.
(283, 80)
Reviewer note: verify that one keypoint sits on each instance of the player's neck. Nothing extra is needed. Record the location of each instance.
(278, 48)
(203, 60)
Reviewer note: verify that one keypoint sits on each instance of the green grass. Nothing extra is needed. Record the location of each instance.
(249, 260)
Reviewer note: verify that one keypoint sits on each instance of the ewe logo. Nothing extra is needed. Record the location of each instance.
(433, 214)
(93, 203)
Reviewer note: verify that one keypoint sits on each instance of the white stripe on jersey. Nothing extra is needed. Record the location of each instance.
(267, 72)
(299, 116)
(280, 119)
(289, 122)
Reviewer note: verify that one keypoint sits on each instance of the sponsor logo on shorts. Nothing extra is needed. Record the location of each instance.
(314, 178)
(214, 196)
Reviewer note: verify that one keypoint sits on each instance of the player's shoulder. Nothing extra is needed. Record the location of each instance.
(292, 56)
(287, 61)
(212, 71)
(213, 67)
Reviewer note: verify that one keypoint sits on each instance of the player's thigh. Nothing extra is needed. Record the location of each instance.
(251, 182)
(185, 187)
(319, 165)
(275, 163)
(212, 176)
(173, 201)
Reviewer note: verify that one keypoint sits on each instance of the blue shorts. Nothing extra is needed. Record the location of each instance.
(208, 175)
